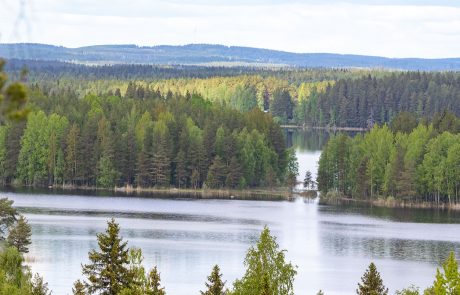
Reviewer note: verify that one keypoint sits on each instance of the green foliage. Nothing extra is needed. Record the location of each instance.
(412, 290)
(266, 270)
(108, 273)
(107, 174)
(415, 166)
(13, 98)
(15, 279)
(292, 169)
(404, 122)
(40, 148)
(361, 102)
(308, 181)
(371, 283)
(215, 285)
(153, 283)
(78, 288)
(8, 215)
(19, 235)
(282, 105)
(39, 287)
(448, 279)
(154, 136)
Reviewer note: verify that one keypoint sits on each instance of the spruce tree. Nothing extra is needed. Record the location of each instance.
(39, 287)
(107, 273)
(19, 235)
(153, 283)
(234, 173)
(371, 283)
(215, 285)
(307, 182)
(78, 288)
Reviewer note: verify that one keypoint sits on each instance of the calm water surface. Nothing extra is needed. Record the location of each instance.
(330, 245)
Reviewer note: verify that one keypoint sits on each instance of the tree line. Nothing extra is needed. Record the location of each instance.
(415, 165)
(317, 97)
(372, 100)
(166, 140)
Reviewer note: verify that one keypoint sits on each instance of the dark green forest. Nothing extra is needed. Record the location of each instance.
(369, 100)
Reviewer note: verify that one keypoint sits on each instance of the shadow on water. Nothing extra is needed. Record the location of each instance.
(418, 215)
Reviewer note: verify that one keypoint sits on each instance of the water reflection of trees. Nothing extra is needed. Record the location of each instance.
(429, 251)
(399, 214)
(308, 139)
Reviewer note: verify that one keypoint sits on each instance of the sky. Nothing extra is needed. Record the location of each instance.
(391, 28)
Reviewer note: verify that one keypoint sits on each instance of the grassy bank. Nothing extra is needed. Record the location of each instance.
(389, 203)
(273, 194)
(326, 128)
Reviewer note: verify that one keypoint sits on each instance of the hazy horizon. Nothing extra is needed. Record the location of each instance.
(392, 28)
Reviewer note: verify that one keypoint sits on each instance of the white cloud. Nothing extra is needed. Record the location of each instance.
(388, 28)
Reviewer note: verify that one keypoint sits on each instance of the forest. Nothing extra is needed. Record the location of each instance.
(369, 100)
(163, 141)
(154, 126)
(331, 98)
(416, 164)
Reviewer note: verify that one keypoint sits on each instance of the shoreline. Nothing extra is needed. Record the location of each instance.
(393, 204)
(333, 128)
(261, 194)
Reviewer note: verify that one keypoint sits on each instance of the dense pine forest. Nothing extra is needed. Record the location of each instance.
(416, 164)
(368, 100)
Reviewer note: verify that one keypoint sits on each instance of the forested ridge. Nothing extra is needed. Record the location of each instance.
(418, 165)
(213, 54)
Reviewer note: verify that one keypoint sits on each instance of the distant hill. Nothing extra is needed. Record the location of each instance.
(215, 55)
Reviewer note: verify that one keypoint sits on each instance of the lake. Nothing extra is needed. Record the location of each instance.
(331, 245)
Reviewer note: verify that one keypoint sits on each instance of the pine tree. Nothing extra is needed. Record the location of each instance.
(216, 173)
(153, 284)
(292, 170)
(307, 182)
(19, 235)
(8, 215)
(371, 283)
(39, 287)
(215, 285)
(143, 165)
(181, 166)
(131, 90)
(107, 273)
(234, 173)
(78, 288)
